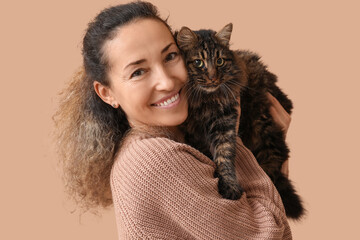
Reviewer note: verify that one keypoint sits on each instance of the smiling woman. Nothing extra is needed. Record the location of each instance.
(146, 74)
(130, 87)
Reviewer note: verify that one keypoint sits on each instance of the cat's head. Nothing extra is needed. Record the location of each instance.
(209, 60)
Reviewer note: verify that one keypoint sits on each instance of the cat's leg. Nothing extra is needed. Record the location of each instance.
(223, 148)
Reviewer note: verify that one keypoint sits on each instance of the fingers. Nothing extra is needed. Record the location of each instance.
(275, 103)
(279, 114)
(239, 107)
(238, 118)
(285, 168)
(282, 119)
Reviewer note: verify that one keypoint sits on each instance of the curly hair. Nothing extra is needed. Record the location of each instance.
(88, 131)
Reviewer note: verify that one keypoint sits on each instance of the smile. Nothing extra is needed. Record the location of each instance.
(169, 102)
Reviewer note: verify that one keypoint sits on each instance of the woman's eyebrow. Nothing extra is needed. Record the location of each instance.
(135, 63)
(167, 47)
(144, 60)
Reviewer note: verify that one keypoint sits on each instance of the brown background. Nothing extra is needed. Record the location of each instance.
(313, 47)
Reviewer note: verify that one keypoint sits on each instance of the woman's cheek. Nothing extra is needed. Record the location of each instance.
(183, 71)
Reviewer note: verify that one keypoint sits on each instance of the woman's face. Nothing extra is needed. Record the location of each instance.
(147, 74)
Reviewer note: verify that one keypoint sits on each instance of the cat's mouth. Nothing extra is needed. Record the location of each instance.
(208, 88)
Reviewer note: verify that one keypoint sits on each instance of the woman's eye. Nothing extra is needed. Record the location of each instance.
(198, 63)
(171, 56)
(220, 62)
(137, 73)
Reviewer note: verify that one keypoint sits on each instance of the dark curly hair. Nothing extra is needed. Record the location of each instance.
(88, 131)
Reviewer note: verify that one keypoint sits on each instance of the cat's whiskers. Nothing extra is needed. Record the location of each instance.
(224, 91)
(227, 89)
(236, 82)
(192, 93)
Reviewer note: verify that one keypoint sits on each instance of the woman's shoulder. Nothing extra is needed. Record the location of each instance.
(157, 150)
(145, 162)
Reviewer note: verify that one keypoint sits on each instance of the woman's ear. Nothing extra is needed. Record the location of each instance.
(104, 93)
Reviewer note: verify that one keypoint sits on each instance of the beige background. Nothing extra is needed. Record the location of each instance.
(313, 47)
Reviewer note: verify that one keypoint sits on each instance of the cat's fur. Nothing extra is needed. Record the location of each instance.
(213, 93)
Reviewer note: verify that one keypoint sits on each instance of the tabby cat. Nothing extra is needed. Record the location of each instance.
(218, 77)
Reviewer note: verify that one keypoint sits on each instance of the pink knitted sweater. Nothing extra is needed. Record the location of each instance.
(163, 189)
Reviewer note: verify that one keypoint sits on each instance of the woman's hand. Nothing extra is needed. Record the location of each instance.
(239, 114)
(282, 119)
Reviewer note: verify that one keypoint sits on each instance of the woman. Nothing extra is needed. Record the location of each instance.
(118, 121)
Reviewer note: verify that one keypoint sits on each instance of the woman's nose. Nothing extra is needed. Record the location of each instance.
(164, 81)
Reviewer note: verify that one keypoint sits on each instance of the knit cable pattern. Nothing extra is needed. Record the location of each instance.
(163, 189)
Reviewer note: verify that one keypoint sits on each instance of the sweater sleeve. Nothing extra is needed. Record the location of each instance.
(166, 190)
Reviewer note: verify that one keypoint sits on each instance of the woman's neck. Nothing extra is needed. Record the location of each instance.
(177, 134)
(172, 132)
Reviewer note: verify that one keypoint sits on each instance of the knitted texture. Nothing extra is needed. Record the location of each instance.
(163, 189)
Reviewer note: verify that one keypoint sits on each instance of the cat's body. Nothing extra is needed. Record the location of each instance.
(261, 134)
(211, 124)
(213, 88)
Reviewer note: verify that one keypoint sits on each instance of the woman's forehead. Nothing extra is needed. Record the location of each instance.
(136, 40)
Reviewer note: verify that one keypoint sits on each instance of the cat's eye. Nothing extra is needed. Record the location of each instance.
(220, 62)
(198, 63)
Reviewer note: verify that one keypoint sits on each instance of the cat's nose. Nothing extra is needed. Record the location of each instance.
(212, 73)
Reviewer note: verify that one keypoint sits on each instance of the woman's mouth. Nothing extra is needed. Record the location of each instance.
(169, 102)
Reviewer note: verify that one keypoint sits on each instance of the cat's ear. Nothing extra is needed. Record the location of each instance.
(186, 39)
(224, 34)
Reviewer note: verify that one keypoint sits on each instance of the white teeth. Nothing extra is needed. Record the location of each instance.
(170, 100)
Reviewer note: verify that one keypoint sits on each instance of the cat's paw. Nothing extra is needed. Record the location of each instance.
(229, 189)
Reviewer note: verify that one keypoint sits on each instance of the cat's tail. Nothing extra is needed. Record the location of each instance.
(292, 202)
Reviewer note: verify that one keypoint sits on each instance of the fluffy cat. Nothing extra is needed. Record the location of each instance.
(218, 77)
(215, 80)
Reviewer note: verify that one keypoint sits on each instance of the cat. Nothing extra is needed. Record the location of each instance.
(218, 77)
(212, 91)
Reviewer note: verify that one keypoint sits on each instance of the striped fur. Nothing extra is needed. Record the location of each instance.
(212, 93)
